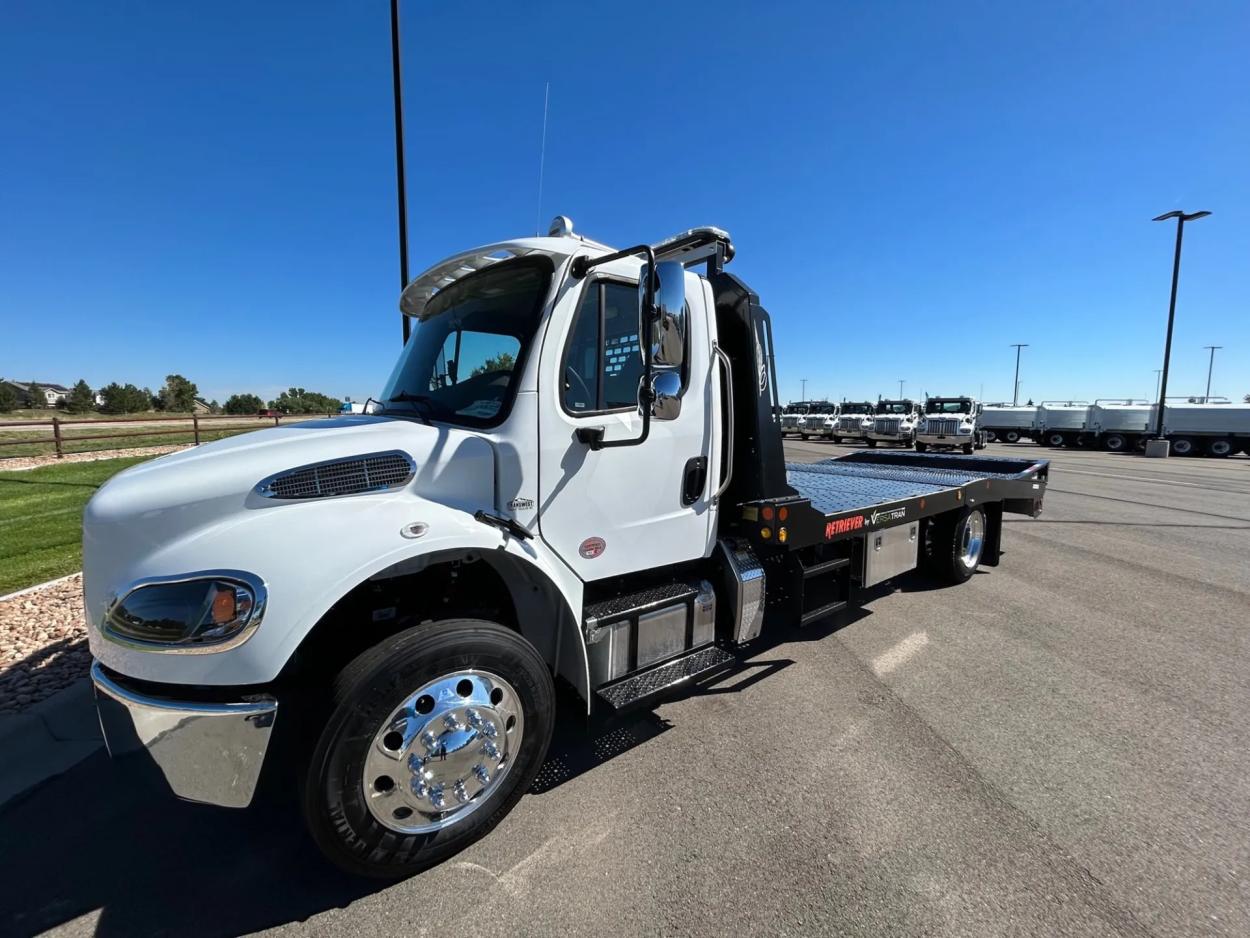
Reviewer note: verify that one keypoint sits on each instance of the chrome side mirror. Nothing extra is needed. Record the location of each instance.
(665, 394)
(668, 317)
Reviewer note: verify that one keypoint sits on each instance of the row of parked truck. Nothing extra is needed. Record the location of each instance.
(935, 423)
(1211, 428)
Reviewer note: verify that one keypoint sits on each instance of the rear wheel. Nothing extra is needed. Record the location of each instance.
(956, 542)
(991, 436)
(1011, 436)
(1220, 448)
(921, 447)
(435, 734)
(1053, 439)
(1183, 446)
(1115, 442)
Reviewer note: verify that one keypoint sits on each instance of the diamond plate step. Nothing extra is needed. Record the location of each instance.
(633, 690)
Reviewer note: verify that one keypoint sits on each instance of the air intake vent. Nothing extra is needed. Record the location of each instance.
(376, 472)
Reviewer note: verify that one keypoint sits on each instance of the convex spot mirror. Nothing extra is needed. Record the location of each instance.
(665, 394)
(668, 316)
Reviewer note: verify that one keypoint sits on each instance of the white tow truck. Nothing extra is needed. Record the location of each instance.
(852, 423)
(895, 422)
(575, 474)
(949, 423)
(819, 420)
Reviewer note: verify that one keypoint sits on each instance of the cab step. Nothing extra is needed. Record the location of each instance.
(812, 615)
(826, 566)
(637, 688)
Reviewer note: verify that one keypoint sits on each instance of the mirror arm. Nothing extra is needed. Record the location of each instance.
(580, 266)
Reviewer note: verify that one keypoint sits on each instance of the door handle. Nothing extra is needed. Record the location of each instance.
(693, 480)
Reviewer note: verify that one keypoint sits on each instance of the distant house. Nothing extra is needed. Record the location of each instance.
(201, 407)
(53, 394)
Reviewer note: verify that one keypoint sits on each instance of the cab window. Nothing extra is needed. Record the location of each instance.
(603, 362)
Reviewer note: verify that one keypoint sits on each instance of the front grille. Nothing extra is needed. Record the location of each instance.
(886, 425)
(377, 472)
(944, 426)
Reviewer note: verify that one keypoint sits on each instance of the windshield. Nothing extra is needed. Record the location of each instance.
(960, 406)
(464, 355)
(857, 408)
(796, 409)
(894, 407)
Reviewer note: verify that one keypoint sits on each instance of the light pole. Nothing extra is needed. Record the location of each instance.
(901, 382)
(804, 396)
(1210, 366)
(1015, 385)
(1181, 218)
(1158, 374)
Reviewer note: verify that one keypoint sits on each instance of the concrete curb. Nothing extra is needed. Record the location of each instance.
(39, 586)
(51, 737)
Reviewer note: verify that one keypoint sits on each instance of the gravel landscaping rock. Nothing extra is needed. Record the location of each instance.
(43, 644)
(34, 462)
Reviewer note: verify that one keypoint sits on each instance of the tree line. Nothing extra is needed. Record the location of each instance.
(177, 395)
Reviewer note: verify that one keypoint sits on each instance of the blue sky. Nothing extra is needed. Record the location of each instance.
(208, 188)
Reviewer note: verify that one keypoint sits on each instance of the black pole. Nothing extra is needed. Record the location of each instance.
(1167, 347)
(401, 192)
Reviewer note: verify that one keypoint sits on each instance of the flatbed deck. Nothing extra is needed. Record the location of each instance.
(841, 497)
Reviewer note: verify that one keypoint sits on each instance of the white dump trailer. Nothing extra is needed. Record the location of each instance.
(1218, 429)
(1008, 423)
(1062, 423)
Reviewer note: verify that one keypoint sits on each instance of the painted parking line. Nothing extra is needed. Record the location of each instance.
(888, 661)
(1126, 478)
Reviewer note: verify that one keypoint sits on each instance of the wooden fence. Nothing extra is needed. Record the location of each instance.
(151, 428)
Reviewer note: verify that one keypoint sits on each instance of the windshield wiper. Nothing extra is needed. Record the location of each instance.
(405, 397)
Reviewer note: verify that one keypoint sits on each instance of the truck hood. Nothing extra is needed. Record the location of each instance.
(145, 509)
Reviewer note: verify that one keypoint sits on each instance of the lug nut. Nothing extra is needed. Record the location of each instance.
(436, 796)
(489, 729)
(482, 774)
(461, 794)
(415, 763)
(419, 788)
(429, 740)
(451, 722)
(491, 751)
(474, 718)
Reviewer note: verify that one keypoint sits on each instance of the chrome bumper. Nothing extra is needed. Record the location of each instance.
(208, 752)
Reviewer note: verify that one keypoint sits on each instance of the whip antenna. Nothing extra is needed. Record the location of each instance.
(542, 159)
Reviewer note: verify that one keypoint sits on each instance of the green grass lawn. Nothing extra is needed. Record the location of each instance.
(41, 519)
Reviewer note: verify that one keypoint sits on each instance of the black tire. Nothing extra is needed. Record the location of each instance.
(836, 439)
(991, 436)
(802, 436)
(1053, 439)
(1221, 447)
(921, 447)
(1011, 436)
(1115, 442)
(968, 448)
(945, 547)
(1184, 446)
(367, 692)
(872, 444)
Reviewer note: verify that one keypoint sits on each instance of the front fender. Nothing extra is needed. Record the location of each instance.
(309, 554)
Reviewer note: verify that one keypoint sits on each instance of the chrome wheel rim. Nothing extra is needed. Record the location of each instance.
(442, 752)
(972, 540)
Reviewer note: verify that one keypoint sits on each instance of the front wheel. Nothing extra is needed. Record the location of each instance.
(836, 439)
(921, 447)
(968, 447)
(872, 444)
(435, 734)
(802, 436)
(1183, 446)
(1115, 442)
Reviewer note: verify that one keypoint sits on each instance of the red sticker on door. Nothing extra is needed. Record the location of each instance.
(592, 547)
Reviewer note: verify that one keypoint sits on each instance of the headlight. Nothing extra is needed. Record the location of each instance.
(965, 429)
(198, 613)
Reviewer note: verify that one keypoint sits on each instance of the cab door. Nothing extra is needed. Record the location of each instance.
(623, 509)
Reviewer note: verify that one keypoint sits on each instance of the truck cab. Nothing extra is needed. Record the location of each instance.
(790, 416)
(894, 422)
(818, 420)
(852, 422)
(949, 423)
(574, 474)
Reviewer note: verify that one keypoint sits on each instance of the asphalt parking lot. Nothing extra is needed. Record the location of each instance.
(1060, 746)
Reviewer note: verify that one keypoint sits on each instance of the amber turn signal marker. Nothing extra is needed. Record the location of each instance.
(766, 533)
(781, 533)
(224, 609)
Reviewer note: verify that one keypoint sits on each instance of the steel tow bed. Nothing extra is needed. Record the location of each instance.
(849, 496)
